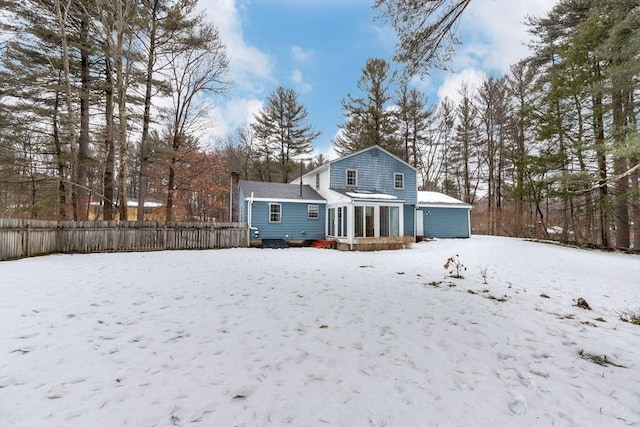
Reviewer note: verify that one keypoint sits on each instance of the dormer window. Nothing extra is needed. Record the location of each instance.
(352, 178)
(398, 181)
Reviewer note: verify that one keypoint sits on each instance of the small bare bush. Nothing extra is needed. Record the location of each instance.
(454, 267)
(631, 316)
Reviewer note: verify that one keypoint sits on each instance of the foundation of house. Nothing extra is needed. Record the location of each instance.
(376, 244)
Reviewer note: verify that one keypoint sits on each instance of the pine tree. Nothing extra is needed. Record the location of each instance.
(281, 126)
(369, 120)
(464, 151)
(413, 120)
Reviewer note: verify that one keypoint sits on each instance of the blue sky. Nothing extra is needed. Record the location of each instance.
(318, 48)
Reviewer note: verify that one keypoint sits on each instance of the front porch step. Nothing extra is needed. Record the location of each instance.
(274, 244)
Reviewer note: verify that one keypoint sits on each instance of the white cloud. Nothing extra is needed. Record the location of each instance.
(300, 55)
(233, 115)
(250, 68)
(385, 37)
(328, 151)
(497, 36)
(452, 84)
(301, 85)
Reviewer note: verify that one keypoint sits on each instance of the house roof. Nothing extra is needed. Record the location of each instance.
(279, 191)
(433, 198)
(372, 148)
(326, 165)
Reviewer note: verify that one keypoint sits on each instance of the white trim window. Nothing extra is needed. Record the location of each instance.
(331, 229)
(389, 221)
(364, 221)
(398, 181)
(317, 180)
(342, 221)
(275, 212)
(352, 178)
(313, 211)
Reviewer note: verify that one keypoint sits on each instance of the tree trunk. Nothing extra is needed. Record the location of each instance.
(635, 203)
(175, 147)
(62, 190)
(146, 118)
(620, 166)
(634, 179)
(109, 167)
(170, 191)
(603, 189)
(121, 90)
(83, 141)
(70, 125)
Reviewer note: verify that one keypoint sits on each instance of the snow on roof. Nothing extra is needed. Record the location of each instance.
(147, 204)
(133, 204)
(435, 198)
(370, 195)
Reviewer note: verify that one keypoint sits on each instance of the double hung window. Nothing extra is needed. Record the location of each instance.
(398, 181)
(313, 211)
(275, 212)
(352, 178)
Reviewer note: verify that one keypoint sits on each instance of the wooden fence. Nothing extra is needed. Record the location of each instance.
(24, 238)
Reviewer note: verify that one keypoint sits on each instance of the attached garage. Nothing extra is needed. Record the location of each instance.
(442, 216)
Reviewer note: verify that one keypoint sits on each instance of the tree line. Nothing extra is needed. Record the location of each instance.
(101, 103)
(552, 146)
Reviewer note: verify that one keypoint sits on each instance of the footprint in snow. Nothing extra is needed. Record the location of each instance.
(517, 405)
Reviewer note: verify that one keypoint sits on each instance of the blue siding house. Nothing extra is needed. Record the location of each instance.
(281, 211)
(368, 200)
(441, 216)
(371, 198)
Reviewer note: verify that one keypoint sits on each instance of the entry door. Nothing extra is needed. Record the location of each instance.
(419, 222)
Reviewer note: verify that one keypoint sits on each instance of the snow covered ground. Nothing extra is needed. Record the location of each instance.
(313, 337)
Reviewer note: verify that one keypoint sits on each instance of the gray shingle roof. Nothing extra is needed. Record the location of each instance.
(274, 190)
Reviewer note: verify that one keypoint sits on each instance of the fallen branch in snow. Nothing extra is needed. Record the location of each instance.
(630, 316)
(434, 284)
(601, 360)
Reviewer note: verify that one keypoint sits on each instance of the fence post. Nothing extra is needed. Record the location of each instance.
(25, 243)
(58, 237)
(164, 237)
(114, 240)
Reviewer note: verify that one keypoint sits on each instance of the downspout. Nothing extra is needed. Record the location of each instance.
(249, 213)
(231, 199)
(469, 220)
(415, 222)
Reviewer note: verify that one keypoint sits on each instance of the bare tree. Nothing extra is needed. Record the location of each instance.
(197, 68)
